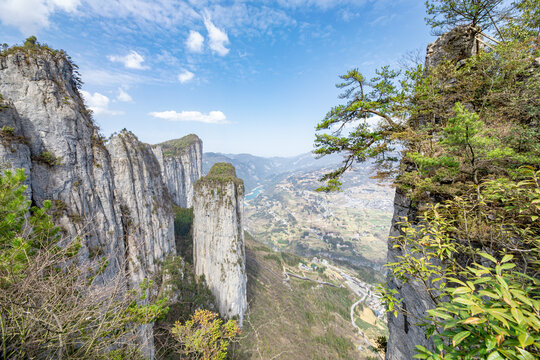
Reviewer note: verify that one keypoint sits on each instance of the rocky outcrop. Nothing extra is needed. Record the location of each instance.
(146, 213)
(48, 132)
(218, 238)
(404, 333)
(455, 45)
(181, 167)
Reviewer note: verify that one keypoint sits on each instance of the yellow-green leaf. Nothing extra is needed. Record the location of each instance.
(525, 339)
(459, 337)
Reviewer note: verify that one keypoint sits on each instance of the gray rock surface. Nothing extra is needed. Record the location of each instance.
(218, 238)
(145, 205)
(14, 150)
(181, 167)
(113, 196)
(455, 45)
(146, 213)
(404, 333)
(62, 150)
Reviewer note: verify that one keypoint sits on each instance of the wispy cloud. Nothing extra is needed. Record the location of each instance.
(30, 15)
(195, 42)
(213, 117)
(98, 103)
(111, 78)
(383, 20)
(123, 96)
(185, 76)
(133, 60)
(218, 39)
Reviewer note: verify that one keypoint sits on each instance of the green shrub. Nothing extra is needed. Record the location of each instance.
(50, 306)
(49, 158)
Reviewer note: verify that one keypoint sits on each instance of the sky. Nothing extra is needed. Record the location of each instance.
(246, 76)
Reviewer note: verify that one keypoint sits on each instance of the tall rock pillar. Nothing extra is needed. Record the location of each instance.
(218, 238)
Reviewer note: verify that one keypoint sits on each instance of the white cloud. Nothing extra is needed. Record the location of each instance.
(31, 15)
(213, 117)
(195, 42)
(218, 39)
(133, 60)
(123, 96)
(98, 103)
(185, 76)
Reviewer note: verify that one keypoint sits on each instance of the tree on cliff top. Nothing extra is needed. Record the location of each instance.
(447, 14)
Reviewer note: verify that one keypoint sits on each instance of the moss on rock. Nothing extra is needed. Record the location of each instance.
(222, 173)
(177, 147)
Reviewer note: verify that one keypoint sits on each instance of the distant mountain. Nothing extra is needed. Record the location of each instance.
(284, 211)
(256, 170)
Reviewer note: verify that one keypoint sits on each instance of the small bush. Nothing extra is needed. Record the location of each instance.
(49, 158)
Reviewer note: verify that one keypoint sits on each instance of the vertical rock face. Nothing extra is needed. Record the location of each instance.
(145, 205)
(146, 213)
(404, 334)
(55, 140)
(113, 196)
(218, 238)
(181, 167)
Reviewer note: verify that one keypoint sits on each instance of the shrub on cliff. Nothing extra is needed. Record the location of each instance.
(205, 336)
(471, 143)
(52, 306)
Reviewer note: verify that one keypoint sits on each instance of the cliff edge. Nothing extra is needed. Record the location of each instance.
(181, 166)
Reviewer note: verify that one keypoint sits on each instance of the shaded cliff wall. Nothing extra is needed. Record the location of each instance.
(146, 213)
(404, 334)
(218, 238)
(56, 142)
(145, 205)
(181, 167)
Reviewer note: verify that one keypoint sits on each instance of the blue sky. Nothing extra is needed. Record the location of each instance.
(247, 76)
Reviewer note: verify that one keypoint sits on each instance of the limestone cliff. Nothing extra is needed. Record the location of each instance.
(145, 205)
(218, 238)
(146, 213)
(404, 334)
(47, 130)
(181, 167)
(113, 196)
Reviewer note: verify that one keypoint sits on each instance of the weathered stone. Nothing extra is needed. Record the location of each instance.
(68, 163)
(455, 45)
(113, 197)
(218, 238)
(181, 167)
(146, 212)
(404, 332)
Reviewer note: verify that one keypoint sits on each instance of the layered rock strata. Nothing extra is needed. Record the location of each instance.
(181, 167)
(218, 238)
